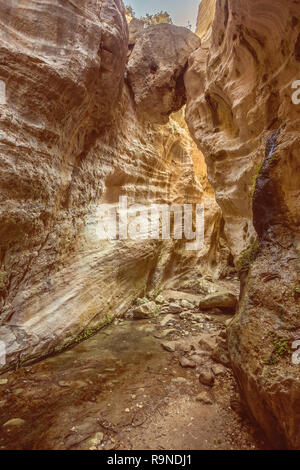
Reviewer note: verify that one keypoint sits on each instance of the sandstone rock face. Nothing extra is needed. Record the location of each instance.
(206, 14)
(240, 112)
(156, 67)
(70, 140)
(135, 28)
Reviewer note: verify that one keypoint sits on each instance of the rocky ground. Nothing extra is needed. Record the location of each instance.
(160, 382)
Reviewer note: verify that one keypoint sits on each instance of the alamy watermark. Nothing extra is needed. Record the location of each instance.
(296, 94)
(2, 353)
(2, 92)
(296, 354)
(153, 222)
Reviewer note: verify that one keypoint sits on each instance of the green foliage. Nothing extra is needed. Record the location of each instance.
(281, 349)
(255, 176)
(155, 293)
(85, 334)
(248, 256)
(296, 292)
(149, 20)
(161, 17)
(130, 11)
(274, 158)
(108, 320)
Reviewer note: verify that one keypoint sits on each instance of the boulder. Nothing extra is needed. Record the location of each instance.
(219, 300)
(156, 67)
(146, 310)
(206, 377)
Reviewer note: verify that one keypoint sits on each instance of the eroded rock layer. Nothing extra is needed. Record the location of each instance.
(241, 114)
(70, 139)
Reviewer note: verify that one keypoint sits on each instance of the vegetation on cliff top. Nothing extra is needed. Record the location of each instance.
(161, 17)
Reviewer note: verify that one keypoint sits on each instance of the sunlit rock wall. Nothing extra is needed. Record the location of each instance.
(70, 140)
(241, 114)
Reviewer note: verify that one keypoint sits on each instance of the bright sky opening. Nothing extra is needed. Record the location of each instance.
(182, 12)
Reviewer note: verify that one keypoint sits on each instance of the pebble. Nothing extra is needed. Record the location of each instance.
(206, 378)
(14, 422)
(218, 370)
(96, 440)
(179, 381)
(204, 397)
(3, 381)
(169, 346)
(184, 362)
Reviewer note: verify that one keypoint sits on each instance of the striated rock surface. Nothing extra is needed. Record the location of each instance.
(156, 68)
(240, 112)
(70, 139)
(206, 14)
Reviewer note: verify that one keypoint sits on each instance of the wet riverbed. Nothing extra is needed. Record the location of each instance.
(119, 389)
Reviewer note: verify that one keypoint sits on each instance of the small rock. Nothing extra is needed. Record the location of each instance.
(166, 320)
(96, 440)
(206, 377)
(184, 362)
(165, 333)
(160, 299)
(219, 300)
(218, 370)
(174, 308)
(14, 422)
(207, 343)
(204, 397)
(186, 304)
(179, 381)
(199, 359)
(146, 310)
(3, 381)
(169, 346)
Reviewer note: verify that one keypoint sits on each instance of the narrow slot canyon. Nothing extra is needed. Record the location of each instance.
(149, 236)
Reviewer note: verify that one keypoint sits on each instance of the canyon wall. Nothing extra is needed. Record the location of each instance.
(240, 113)
(71, 139)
